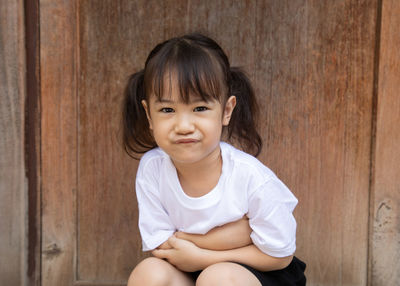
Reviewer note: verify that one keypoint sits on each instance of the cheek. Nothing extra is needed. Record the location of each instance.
(213, 127)
(160, 129)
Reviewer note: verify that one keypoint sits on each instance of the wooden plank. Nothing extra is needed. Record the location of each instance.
(58, 41)
(32, 141)
(114, 42)
(385, 219)
(314, 75)
(312, 63)
(107, 176)
(230, 23)
(13, 191)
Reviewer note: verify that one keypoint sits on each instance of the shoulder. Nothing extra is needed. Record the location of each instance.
(151, 162)
(244, 162)
(258, 178)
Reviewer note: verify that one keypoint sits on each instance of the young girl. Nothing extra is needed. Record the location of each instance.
(210, 214)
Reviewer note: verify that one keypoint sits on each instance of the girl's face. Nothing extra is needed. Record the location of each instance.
(188, 132)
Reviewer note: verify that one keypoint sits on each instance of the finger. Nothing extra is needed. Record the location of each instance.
(160, 253)
(183, 235)
(179, 234)
(172, 241)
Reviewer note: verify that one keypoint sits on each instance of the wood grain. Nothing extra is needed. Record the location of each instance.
(312, 63)
(314, 78)
(58, 55)
(33, 140)
(385, 216)
(113, 44)
(231, 23)
(13, 190)
(105, 61)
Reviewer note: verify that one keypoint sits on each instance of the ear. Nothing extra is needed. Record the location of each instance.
(229, 107)
(146, 108)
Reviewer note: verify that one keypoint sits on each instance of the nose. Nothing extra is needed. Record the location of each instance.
(184, 124)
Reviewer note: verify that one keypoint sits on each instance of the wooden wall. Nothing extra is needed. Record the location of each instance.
(13, 188)
(315, 80)
(326, 75)
(385, 189)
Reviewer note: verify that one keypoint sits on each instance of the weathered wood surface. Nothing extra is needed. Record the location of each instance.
(312, 63)
(13, 189)
(385, 216)
(58, 59)
(32, 141)
(109, 241)
(113, 45)
(314, 72)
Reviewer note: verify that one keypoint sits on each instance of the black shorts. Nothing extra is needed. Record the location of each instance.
(293, 275)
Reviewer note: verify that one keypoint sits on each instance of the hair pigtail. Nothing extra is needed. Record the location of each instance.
(137, 136)
(243, 122)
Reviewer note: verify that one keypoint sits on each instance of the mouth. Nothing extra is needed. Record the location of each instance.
(186, 141)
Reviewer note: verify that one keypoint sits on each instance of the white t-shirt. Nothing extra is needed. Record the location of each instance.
(246, 187)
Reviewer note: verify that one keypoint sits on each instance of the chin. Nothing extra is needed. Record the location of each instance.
(186, 160)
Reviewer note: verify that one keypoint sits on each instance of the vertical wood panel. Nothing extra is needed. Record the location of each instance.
(386, 203)
(32, 141)
(231, 23)
(13, 189)
(312, 65)
(58, 125)
(114, 42)
(314, 77)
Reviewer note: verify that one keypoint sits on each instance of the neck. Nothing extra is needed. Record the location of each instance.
(199, 178)
(208, 165)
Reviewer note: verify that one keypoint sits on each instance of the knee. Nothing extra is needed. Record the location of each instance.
(151, 272)
(217, 274)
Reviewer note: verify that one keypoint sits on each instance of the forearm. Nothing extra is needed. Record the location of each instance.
(186, 256)
(249, 255)
(230, 236)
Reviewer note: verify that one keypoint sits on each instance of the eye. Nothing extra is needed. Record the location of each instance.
(200, 108)
(166, 110)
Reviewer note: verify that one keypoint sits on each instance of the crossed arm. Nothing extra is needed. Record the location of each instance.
(227, 243)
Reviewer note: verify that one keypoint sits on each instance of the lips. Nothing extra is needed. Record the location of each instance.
(186, 141)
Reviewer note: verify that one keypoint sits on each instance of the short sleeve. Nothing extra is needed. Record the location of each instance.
(271, 218)
(154, 223)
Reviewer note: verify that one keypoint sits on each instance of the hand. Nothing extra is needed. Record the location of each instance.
(165, 245)
(183, 254)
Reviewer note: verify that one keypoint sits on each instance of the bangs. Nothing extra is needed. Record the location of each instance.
(195, 72)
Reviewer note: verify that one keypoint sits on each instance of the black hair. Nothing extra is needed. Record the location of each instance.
(202, 68)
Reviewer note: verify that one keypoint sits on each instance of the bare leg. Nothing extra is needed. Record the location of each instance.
(157, 272)
(227, 273)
